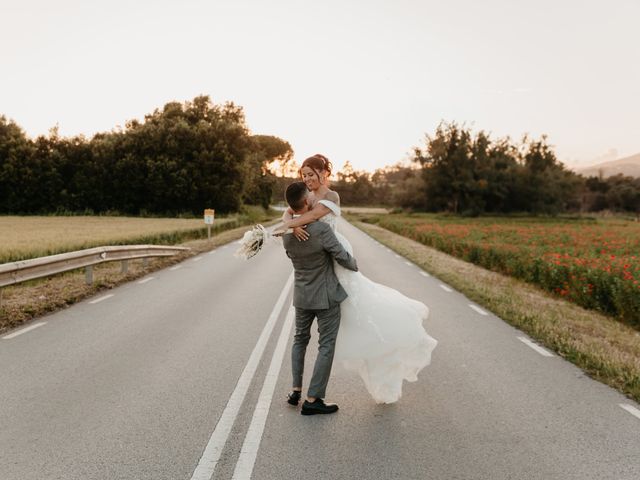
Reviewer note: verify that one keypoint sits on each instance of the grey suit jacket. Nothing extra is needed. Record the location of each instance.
(316, 286)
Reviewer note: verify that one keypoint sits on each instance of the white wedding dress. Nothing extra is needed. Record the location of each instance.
(381, 336)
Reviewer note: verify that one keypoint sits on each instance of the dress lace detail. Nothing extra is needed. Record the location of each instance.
(381, 336)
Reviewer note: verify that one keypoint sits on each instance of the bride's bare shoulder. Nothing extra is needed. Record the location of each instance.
(332, 196)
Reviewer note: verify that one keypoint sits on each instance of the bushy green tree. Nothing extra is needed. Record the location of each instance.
(616, 193)
(472, 174)
(267, 153)
(447, 168)
(16, 152)
(182, 158)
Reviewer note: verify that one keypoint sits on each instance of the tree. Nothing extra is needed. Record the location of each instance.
(347, 174)
(268, 153)
(616, 193)
(355, 187)
(447, 168)
(181, 158)
(547, 187)
(16, 153)
(472, 174)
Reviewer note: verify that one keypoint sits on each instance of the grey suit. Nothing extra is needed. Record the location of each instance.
(317, 293)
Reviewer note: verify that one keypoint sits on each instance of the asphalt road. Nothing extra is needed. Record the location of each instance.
(182, 375)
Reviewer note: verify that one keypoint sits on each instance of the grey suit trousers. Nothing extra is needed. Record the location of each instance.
(328, 325)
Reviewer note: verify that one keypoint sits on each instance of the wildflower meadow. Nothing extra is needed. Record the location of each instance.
(592, 262)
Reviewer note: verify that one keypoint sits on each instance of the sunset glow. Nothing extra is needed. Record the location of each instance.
(358, 81)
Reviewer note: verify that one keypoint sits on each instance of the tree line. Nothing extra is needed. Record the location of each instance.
(193, 155)
(469, 173)
(180, 159)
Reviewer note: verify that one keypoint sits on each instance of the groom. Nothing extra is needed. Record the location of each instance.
(316, 294)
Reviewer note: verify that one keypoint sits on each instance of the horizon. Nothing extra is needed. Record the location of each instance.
(361, 82)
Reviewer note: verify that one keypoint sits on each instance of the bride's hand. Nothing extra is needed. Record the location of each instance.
(301, 234)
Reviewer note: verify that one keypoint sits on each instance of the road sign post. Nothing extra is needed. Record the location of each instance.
(209, 215)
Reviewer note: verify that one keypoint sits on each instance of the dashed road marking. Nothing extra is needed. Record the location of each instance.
(631, 409)
(102, 298)
(478, 309)
(24, 330)
(537, 348)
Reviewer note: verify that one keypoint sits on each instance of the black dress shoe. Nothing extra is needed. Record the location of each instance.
(318, 407)
(294, 397)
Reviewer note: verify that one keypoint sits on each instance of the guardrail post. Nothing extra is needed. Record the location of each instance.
(125, 266)
(88, 274)
(145, 262)
(0, 298)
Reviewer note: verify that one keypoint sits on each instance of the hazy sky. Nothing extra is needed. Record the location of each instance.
(356, 80)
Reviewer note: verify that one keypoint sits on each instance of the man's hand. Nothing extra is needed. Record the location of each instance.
(279, 231)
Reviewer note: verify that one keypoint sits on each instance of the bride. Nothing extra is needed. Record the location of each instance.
(381, 336)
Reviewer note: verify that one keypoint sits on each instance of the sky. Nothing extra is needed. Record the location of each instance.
(361, 81)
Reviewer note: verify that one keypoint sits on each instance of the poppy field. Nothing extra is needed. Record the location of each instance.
(592, 262)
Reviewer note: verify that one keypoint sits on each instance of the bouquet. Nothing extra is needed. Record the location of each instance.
(252, 242)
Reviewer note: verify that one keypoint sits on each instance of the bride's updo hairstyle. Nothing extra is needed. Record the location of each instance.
(317, 163)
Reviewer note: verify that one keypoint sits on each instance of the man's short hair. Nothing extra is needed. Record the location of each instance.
(296, 195)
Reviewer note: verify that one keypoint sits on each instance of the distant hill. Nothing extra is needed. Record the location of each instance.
(629, 166)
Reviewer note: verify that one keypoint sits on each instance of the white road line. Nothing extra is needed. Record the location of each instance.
(176, 267)
(398, 256)
(631, 409)
(145, 280)
(537, 348)
(24, 330)
(424, 274)
(212, 252)
(445, 288)
(97, 300)
(213, 450)
(409, 263)
(197, 259)
(478, 309)
(249, 451)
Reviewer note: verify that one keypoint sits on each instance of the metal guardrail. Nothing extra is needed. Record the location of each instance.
(24, 270)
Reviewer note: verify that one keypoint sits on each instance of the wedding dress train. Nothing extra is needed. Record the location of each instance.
(381, 336)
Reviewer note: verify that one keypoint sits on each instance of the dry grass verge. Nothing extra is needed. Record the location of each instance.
(23, 302)
(365, 210)
(604, 348)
